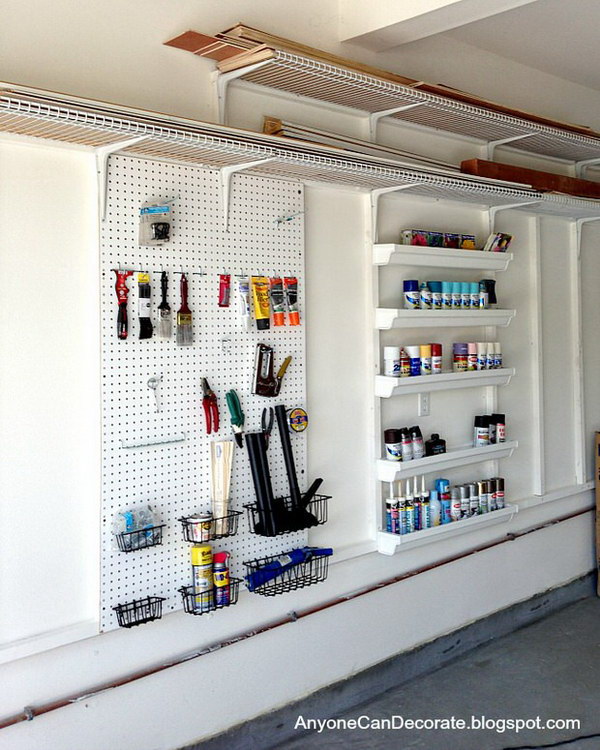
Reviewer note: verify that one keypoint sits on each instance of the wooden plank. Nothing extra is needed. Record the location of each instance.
(544, 181)
(203, 45)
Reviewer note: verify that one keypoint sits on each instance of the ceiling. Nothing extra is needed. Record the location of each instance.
(560, 37)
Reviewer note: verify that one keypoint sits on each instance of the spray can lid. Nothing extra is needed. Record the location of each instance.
(201, 554)
(392, 435)
(411, 285)
(498, 418)
(436, 350)
(391, 352)
(220, 559)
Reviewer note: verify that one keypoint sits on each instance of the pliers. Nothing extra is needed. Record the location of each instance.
(236, 414)
(211, 409)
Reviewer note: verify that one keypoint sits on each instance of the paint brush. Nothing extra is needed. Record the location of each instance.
(184, 316)
(164, 311)
(144, 305)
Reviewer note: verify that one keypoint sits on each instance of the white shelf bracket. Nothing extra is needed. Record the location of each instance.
(491, 146)
(493, 210)
(375, 195)
(225, 175)
(102, 154)
(374, 117)
(222, 81)
(581, 166)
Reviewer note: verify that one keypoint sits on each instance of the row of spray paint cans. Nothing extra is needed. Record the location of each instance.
(449, 295)
(426, 359)
(416, 510)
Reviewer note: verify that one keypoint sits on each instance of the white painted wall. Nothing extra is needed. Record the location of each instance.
(97, 54)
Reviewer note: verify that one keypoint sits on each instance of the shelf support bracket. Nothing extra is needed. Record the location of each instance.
(491, 146)
(493, 210)
(581, 166)
(101, 154)
(375, 196)
(577, 337)
(222, 81)
(225, 175)
(374, 117)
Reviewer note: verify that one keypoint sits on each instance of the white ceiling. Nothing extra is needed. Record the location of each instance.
(560, 37)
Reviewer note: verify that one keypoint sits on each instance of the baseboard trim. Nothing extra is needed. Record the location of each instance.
(269, 730)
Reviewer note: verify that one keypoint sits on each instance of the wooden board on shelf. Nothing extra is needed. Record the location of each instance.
(204, 46)
(544, 181)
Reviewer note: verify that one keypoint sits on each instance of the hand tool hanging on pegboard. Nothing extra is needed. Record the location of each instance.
(236, 414)
(265, 382)
(165, 323)
(211, 408)
(184, 316)
(122, 291)
(143, 280)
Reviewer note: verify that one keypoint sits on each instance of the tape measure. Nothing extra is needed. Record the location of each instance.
(297, 419)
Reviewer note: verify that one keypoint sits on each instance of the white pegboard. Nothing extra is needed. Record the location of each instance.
(175, 478)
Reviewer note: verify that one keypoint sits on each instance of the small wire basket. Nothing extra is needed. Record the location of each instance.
(139, 611)
(221, 597)
(129, 541)
(284, 518)
(208, 529)
(311, 571)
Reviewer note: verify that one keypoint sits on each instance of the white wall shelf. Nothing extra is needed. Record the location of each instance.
(386, 386)
(388, 544)
(386, 318)
(439, 257)
(390, 471)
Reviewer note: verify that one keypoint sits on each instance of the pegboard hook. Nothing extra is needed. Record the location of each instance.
(225, 174)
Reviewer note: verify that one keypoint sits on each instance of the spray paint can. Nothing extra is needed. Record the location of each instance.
(202, 575)
(483, 488)
(425, 354)
(435, 508)
(490, 356)
(474, 295)
(465, 511)
(473, 500)
(426, 298)
(404, 364)
(500, 422)
(443, 489)
(500, 502)
(471, 357)
(481, 432)
(414, 353)
(407, 446)
(446, 295)
(497, 355)
(456, 289)
(436, 294)
(391, 361)
(412, 297)
(460, 357)
(393, 444)
(436, 359)
(418, 448)
(425, 506)
(465, 295)
(492, 498)
(455, 504)
(481, 355)
(221, 579)
(483, 295)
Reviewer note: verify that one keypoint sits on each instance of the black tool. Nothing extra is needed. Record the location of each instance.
(265, 382)
(266, 423)
(271, 510)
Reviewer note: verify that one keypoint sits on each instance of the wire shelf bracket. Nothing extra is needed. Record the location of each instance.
(222, 81)
(102, 154)
(225, 175)
(376, 194)
(581, 166)
(491, 146)
(374, 117)
(493, 210)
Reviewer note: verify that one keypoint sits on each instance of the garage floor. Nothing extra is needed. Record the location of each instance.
(550, 669)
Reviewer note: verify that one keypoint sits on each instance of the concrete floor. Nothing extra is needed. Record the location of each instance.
(550, 669)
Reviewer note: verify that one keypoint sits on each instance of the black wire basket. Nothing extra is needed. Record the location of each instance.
(129, 541)
(200, 604)
(139, 611)
(198, 530)
(284, 518)
(311, 571)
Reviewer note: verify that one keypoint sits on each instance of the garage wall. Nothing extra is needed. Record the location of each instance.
(114, 52)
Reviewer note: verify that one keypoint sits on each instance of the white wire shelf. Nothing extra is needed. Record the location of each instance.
(386, 387)
(388, 544)
(390, 471)
(95, 125)
(386, 318)
(439, 257)
(314, 79)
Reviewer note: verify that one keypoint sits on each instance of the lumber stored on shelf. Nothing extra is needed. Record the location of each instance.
(545, 181)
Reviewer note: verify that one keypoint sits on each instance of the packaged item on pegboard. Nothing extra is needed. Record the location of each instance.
(155, 223)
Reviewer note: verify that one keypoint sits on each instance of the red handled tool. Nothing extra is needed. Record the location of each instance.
(122, 293)
(211, 408)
